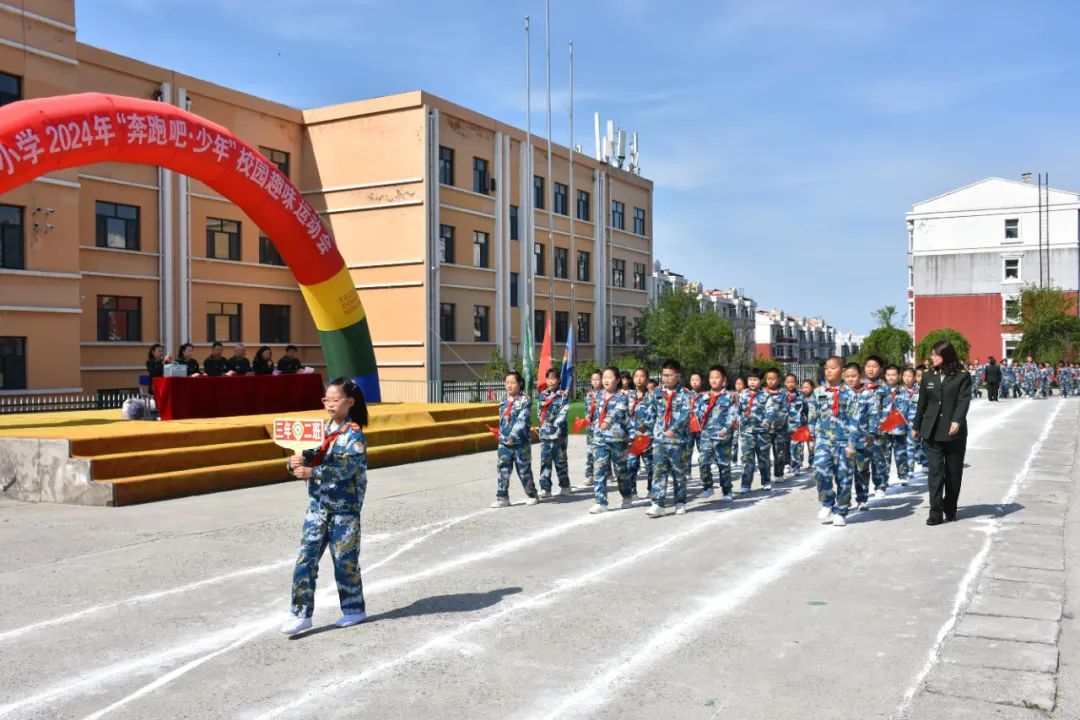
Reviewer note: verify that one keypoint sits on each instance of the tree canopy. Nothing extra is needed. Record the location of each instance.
(1051, 330)
(675, 326)
(922, 350)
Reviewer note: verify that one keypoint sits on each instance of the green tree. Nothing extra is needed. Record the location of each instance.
(675, 326)
(497, 367)
(963, 347)
(1051, 330)
(890, 343)
(884, 316)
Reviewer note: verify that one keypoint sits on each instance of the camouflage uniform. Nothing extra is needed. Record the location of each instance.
(916, 449)
(756, 416)
(336, 496)
(553, 437)
(670, 410)
(833, 419)
(1044, 382)
(797, 417)
(896, 439)
(609, 446)
(780, 432)
(879, 466)
(590, 414)
(1029, 374)
(639, 410)
(515, 445)
(717, 414)
(866, 420)
(1006, 382)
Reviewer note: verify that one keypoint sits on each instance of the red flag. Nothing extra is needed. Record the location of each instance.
(892, 422)
(580, 424)
(639, 445)
(695, 426)
(494, 431)
(802, 435)
(545, 357)
(491, 396)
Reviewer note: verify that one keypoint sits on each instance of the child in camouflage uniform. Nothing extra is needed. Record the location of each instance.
(590, 414)
(515, 442)
(717, 414)
(879, 467)
(641, 423)
(832, 412)
(866, 420)
(757, 417)
(554, 406)
(610, 434)
(670, 410)
(899, 400)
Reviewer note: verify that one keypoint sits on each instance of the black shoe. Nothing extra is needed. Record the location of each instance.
(950, 518)
(933, 521)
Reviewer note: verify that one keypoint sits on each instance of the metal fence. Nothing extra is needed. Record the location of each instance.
(11, 404)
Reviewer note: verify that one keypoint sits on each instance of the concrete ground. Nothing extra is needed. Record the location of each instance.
(744, 610)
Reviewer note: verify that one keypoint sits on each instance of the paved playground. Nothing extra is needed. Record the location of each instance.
(747, 610)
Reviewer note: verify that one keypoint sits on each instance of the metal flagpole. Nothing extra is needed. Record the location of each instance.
(572, 202)
(549, 191)
(528, 345)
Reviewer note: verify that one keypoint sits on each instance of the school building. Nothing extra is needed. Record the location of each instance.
(446, 218)
(972, 250)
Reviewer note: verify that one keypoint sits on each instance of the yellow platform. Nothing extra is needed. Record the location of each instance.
(122, 462)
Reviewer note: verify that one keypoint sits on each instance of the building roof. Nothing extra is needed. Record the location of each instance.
(993, 179)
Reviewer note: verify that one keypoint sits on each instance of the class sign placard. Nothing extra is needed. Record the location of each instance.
(297, 434)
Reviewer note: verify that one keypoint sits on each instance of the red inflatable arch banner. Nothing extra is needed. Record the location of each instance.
(47, 134)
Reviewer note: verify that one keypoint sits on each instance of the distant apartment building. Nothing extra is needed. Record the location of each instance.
(847, 345)
(447, 220)
(792, 338)
(972, 250)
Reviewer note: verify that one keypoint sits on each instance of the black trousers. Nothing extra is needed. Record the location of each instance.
(992, 392)
(945, 475)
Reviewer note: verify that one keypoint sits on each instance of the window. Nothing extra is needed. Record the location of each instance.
(119, 319)
(222, 239)
(513, 289)
(446, 322)
(223, 322)
(639, 221)
(1010, 349)
(480, 249)
(446, 244)
(562, 326)
(583, 266)
(561, 199)
(446, 165)
(11, 238)
(539, 323)
(12, 363)
(582, 205)
(480, 175)
(618, 215)
(562, 263)
(639, 276)
(911, 312)
(618, 329)
(538, 192)
(268, 254)
(1011, 269)
(1010, 310)
(911, 277)
(514, 222)
(10, 88)
(480, 323)
(274, 324)
(618, 273)
(584, 327)
(117, 226)
(278, 157)
(1012, 229)
(538, 259)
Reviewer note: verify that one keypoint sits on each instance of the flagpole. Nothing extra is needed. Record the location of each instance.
(528, 346)
(572, 200)
(549, 191)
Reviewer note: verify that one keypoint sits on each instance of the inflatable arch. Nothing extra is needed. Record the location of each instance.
(47, 134)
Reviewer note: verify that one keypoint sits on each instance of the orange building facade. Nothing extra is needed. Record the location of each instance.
(425, 199)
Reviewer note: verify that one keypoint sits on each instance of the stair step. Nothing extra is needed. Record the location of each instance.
(163, 486)
(183, 436)
(150, 462)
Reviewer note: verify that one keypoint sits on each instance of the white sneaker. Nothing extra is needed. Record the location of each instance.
(824, 514)
(350, 620)
(727, 498)
(501, 503)
(744, 491)
(864, 506)
(902, 483)
(767, 487)
(655, 511)
(879, 493)
(532, 501)
(838, 521)
(296, 625)
(588, 482)
(597, 508)
(544, 493)
(627, 503)
(706, 494)
(680, 509)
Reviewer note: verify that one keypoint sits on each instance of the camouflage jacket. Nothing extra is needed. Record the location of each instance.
(515, 420)
(717, 414)
(554, 407)
(833, 416)
(611, 409)
(897, 399)
(670, 412)
(335, 481)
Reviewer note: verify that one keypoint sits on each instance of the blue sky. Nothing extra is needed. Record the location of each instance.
(786, 138)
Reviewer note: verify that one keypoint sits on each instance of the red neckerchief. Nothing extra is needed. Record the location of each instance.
(545, 406)
(509, 406)
(320, 454)
(872, 386)
(637, 399)
(713, 397)
(603, 409)
(668, 399)
(790, 397)
(835, 398)
(892, 398)
(750, 402)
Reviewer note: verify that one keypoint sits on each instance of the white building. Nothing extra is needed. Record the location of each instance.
(741, 311)
(848, 344)
(793, 339)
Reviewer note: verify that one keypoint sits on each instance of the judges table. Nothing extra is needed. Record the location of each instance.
(206, 397)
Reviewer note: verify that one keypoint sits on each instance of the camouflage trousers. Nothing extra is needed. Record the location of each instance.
(341, 532)
(896, 451)
(670, 460)
(755, 448)
(1029, 389)
(633, 465)
(588, 454)
(879, 462)
(860, 470)
(916, 452)
(781, 451)
(796, 451)
(511, 457)
(833, 472)
(608, 459)
(715, 452)
(553, 452)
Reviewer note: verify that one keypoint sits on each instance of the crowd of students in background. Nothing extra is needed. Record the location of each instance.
(1028, 379)
(217, 365)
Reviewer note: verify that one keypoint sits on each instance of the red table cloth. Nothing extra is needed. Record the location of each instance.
(206, 397)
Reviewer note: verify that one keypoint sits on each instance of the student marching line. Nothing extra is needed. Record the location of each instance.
(833, 413)
(670, 411)
(639, 399)
(610, 434)
(717, 417)
(515, 442)
(554, 406)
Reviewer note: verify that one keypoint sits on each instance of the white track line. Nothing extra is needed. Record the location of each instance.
(963, 593)
(563, 587)
(244, 572)
(676, 633)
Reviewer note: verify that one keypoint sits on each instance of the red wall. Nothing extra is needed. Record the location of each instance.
(976, 317)
(763, 350)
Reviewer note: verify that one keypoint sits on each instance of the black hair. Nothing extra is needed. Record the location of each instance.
(875, 358)
(772, 370)
(854, 366)
(829, 359)
(598, 371)
(184, 347)
(358, 412)
(619, 374)
(920, 366)
(517, 376)
(950, 360)
(671, 364)
(809, 380)
(217, 344)
(698, 373)
(291, 347)
(720, 369)
(264, 348)
(150, 353)
(892, 367)
(552, 372)
(908, 369)
(792, 375)
(754, 374)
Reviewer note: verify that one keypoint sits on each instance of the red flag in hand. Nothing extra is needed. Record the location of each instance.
(580, 424)
(802, 435)
(494, 431)
(695, 426)
(892, 422)
(639, 445)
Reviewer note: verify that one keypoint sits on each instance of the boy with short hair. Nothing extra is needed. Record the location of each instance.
(554, 406)
(671, 439)
(717, 414)
(755, 421)
(866, 420)
(590, 414)
(832, 414)
(641, 423)
(777, 428)
(897, 400)
(872, 369)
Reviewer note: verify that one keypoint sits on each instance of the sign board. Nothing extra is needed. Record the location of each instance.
(298, 434)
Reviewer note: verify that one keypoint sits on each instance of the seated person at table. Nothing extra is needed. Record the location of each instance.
(264, 361)
(238, 363)
(216, 365)
(185, 357)
(290, 363)
(155, 362)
